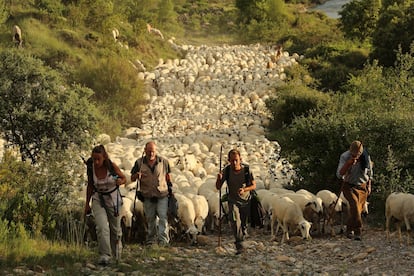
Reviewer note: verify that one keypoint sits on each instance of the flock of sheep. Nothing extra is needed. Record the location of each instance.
(213, 98)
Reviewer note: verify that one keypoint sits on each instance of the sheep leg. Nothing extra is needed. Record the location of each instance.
(407, 225)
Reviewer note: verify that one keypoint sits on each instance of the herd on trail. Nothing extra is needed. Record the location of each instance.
(215, 97)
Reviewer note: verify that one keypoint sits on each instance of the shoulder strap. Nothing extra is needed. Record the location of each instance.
(226, 172)
(247, 174)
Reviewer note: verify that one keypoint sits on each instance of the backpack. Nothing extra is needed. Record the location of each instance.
(257, 212)
(89, 173)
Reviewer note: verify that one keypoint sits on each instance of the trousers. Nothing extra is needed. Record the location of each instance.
(108, 229)
(356, 196)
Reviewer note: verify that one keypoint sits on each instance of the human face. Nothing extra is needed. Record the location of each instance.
(98, 159)
(150, 151)
(235, 162)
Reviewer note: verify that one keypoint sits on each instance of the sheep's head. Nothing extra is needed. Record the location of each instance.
(304, 227)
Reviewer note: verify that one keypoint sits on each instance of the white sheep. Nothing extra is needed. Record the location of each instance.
(154, 31)
(331, 206)
(266, 197)
(288, 213)
(310, 207)
(186, 216)
(115, 34)
(17, 36)
(401, 207)
(133, 221)
(316, 217)
(214, 218)
(201, 211)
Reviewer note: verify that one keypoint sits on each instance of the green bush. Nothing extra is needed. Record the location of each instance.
(295, 101)
(35, 196)
(119, 93)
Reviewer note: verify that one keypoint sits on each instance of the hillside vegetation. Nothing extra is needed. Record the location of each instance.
(71, 80)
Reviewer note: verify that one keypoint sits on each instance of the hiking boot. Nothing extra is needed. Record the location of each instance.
(239, 248)
(357, 238)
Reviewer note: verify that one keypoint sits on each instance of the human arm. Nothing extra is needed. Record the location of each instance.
(89, 192)
(345, 162)
(121, 176)
(135, 171)
(250, 187)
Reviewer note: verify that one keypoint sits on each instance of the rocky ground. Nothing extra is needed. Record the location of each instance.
(323, 255)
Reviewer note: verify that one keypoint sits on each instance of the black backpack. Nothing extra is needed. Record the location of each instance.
(257, 212)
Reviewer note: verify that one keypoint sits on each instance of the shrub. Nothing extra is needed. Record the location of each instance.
(295, 101)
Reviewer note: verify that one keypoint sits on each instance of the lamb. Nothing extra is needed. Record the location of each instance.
(17, 36)
(331, 205)
(401, 207)
(288, 213)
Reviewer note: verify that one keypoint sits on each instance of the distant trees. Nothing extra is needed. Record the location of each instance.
(388, 25)
(359, 18)
(40, 113)
(260, 10)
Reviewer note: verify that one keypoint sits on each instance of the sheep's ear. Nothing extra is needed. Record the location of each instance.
(309, 203)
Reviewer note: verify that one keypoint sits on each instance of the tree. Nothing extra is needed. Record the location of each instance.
(251, 10)
(359, 18)
(3, 11)
(39, 112)
(394, 30)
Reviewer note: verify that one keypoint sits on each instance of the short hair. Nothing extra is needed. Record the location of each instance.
(356, 147)
(233, 152)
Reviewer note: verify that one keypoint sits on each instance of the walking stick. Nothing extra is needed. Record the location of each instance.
(219, 237)
(134, 219)
(332, 211)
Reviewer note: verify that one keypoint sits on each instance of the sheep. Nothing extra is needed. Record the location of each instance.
(288, 213)
(186, 216)
(201, 211)
(133, 221)
(213, 219)
(266, 198)
(401, 207)
(17, 36)
(331, 205)
(308, 204)
(319, 210)
(154, 31)
(115, 34)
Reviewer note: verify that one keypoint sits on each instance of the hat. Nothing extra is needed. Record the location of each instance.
(356, 148)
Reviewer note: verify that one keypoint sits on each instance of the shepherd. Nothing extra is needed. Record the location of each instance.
(241, 184)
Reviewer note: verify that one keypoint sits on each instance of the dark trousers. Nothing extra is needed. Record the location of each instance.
(356, 196)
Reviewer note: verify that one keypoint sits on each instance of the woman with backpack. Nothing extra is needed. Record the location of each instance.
(104, 179)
